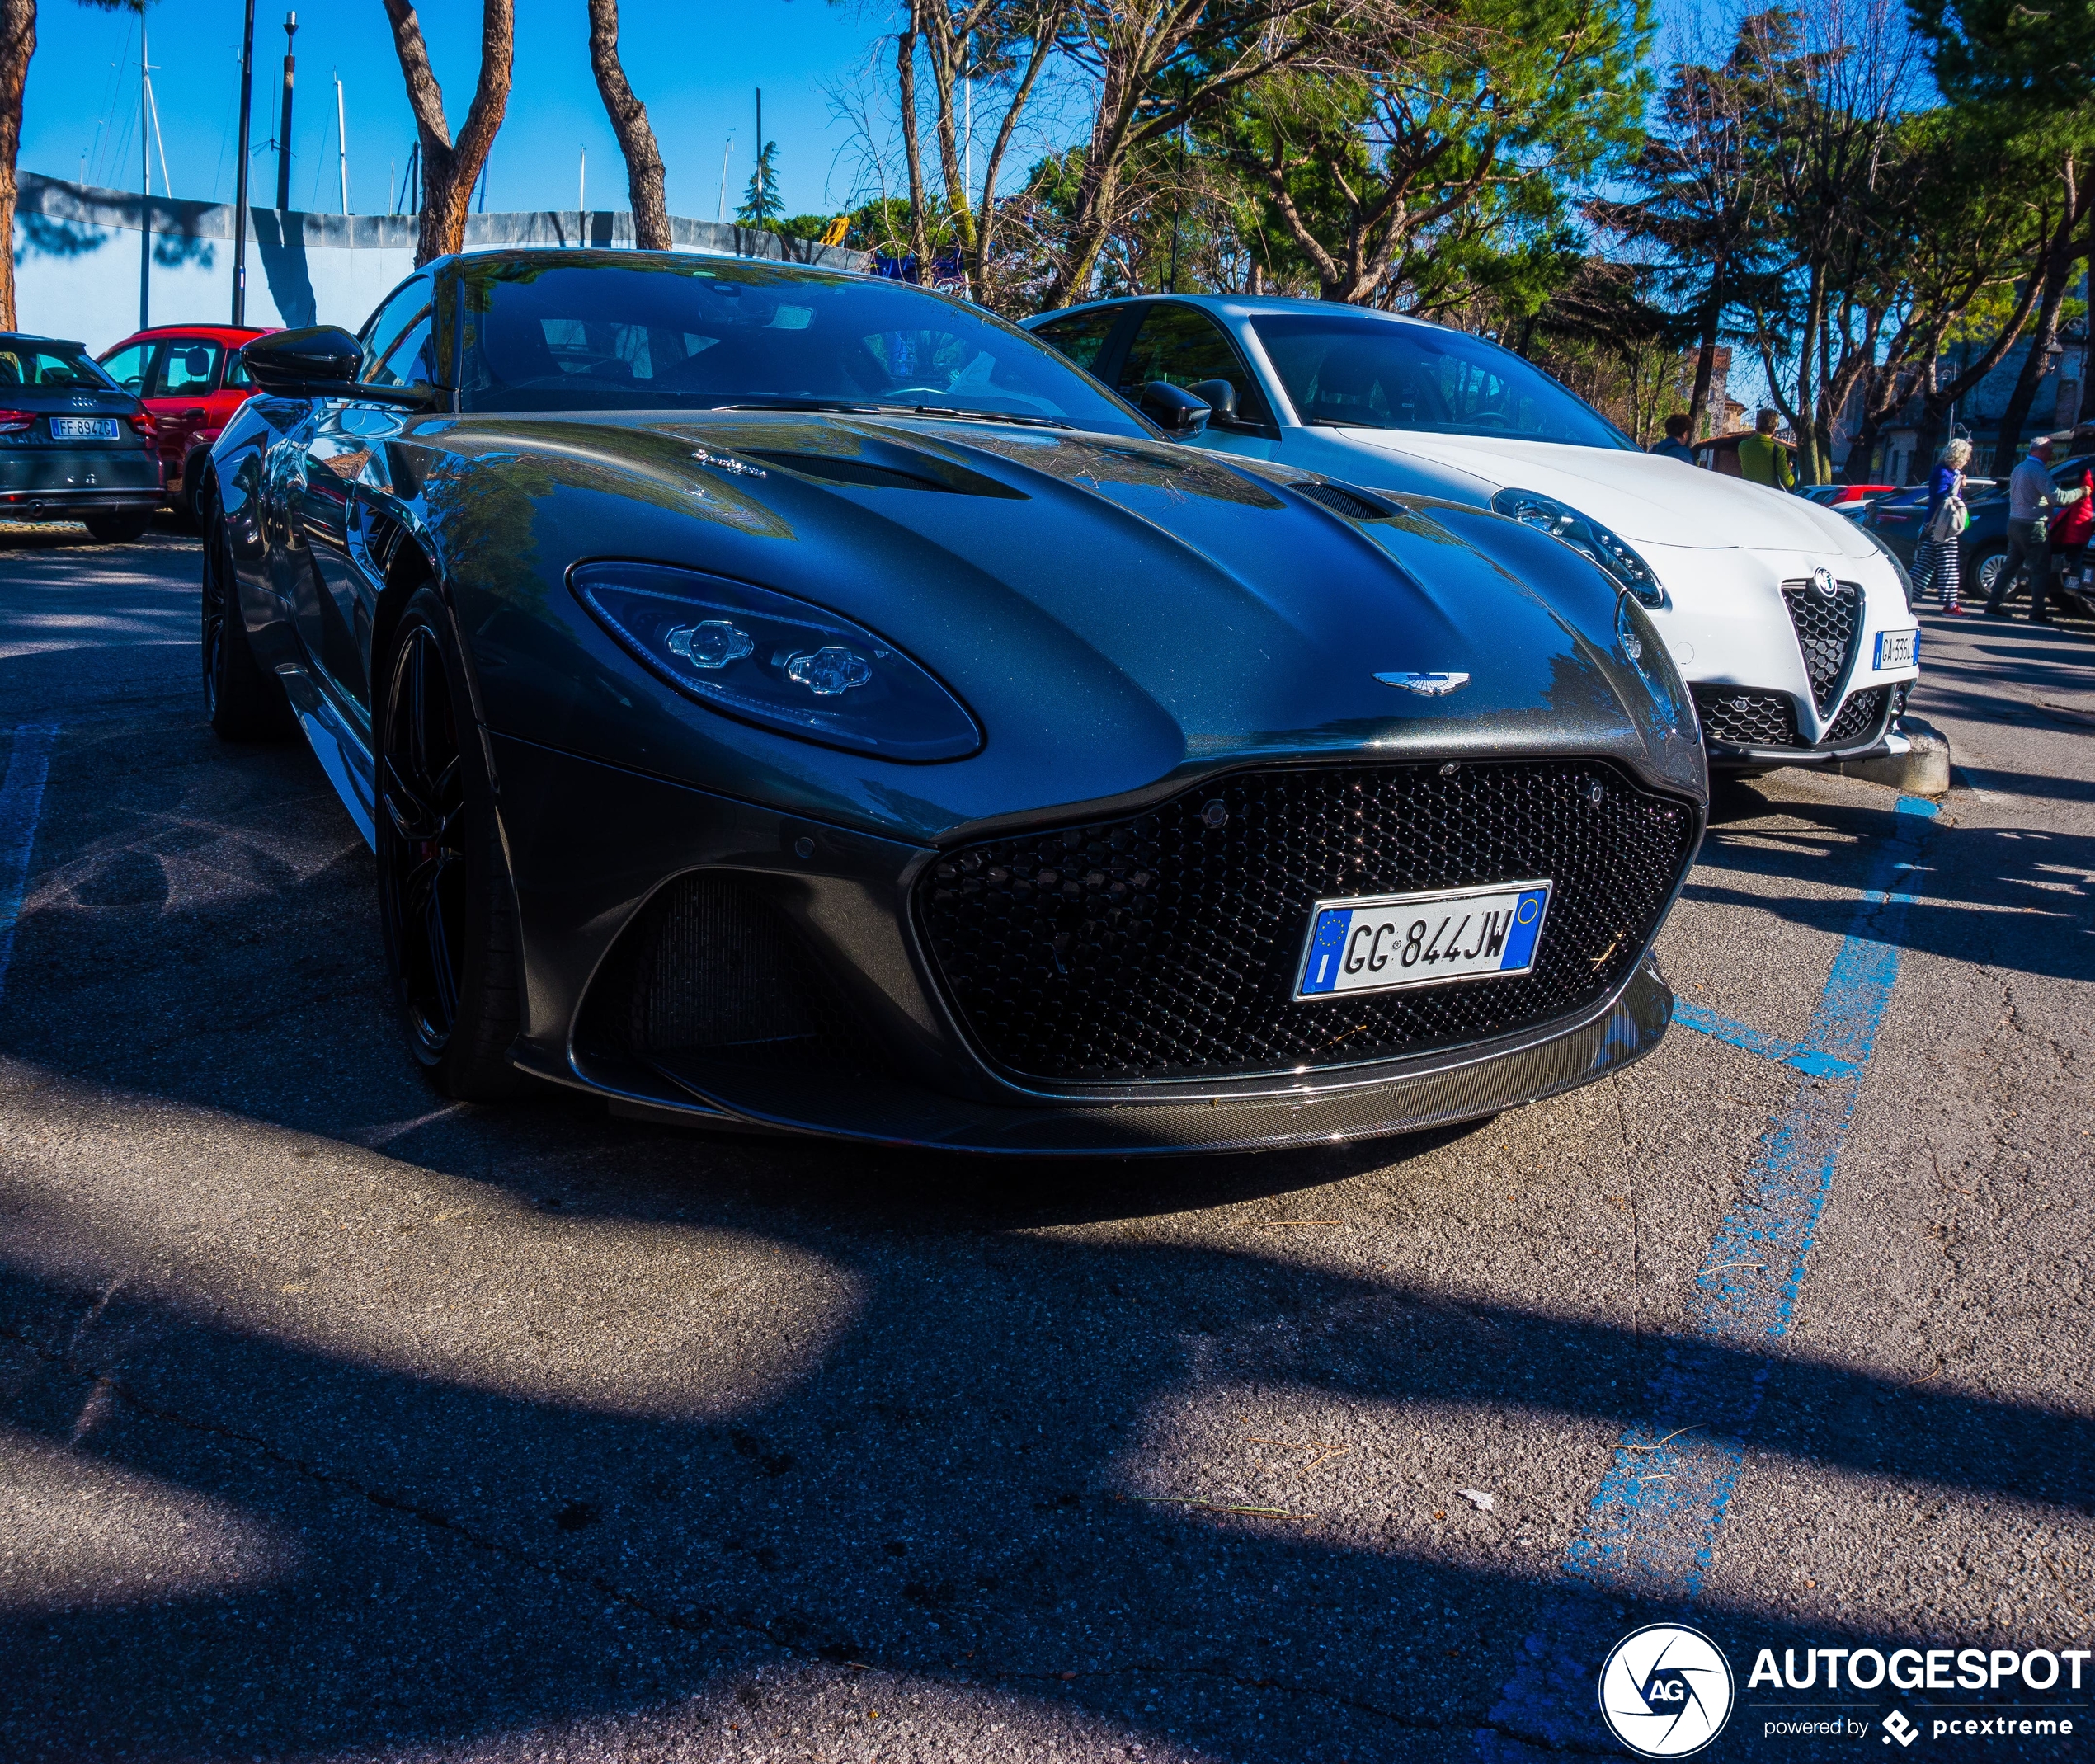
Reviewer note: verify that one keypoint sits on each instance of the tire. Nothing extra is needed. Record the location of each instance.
(444, 897)
(116, 529)
(241, 702)
(1984, 571)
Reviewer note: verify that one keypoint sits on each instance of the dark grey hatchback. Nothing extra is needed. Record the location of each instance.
(74, 445)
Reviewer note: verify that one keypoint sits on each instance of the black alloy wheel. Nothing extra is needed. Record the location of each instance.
(241, 702)
(444, 891)
(423, 796)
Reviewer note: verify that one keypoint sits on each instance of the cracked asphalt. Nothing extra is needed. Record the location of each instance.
(339, 1423)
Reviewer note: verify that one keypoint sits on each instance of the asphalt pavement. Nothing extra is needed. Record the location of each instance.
(337, 1423)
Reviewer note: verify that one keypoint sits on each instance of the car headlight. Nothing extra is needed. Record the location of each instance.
(775, 661)
(1640, 641)
(1582, 531)
(1898, 563)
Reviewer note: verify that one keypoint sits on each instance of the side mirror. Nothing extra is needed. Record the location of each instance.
(1218, 395)
(1174, 410)
(321, 361)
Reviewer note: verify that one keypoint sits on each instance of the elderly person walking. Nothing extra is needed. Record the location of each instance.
(1936, 555)
(2029, 489)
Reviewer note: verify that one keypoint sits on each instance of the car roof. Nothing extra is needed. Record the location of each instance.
(216, 333)
(613, 259)
(41, 342)
(1244, 306)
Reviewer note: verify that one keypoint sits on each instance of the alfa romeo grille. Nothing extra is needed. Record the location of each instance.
(1858, 718)
(1738, 719)
(1827, 627)
(1164, 945)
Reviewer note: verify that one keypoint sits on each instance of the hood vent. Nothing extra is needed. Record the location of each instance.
(1342, 499)
(862, 474)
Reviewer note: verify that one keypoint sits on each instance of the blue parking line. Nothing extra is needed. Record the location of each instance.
(1805, 1058)
(21, 803)
(1652, 1527)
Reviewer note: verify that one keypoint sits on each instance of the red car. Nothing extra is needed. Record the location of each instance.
(192, 379)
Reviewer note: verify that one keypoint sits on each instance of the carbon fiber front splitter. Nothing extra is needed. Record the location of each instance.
(883, 1112)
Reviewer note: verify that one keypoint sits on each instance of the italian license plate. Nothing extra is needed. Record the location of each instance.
(1389, 941)
(1897, 649)
(84, 428)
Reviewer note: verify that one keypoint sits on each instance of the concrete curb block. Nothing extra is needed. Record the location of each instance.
(1923, 770)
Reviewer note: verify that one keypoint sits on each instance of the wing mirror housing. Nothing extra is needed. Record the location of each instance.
(1174, 410)
(323, 361)
(1219, 395)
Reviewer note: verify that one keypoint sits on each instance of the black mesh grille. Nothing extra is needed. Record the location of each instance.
(1353, 503)
(1738, 719)
(1166, 945)
(1858, 718)
(712, 969)
(1826, 629)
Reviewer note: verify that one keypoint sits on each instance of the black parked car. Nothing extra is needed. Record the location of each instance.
(74, 445)
(788, 698)
(1898, 520)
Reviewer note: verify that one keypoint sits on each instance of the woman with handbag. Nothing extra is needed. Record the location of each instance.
(1936, 558)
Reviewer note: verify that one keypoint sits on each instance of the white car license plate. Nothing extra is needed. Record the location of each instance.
(1897, 649)
(1387, 941)
(84, 428)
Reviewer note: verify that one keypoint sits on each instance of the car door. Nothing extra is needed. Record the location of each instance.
(339, 448)
(1184, 346)
(177, 393)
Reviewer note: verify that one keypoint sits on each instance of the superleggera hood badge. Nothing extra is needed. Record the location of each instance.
(723, 462)
(1426, 686)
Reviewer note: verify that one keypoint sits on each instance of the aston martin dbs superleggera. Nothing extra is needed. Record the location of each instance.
(782, 698)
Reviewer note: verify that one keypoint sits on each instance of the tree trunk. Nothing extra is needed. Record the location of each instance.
(2058, 274)
(450, 171)
(17, 43)
(920, 232)
(1710, 321)
(643, 159)
(1047, 27)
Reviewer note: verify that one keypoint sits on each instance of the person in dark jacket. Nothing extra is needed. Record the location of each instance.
(1675, 446)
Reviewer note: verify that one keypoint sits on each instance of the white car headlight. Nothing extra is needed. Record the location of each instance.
(1583, 533)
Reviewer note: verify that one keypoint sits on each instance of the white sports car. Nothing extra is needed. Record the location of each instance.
(1794, 627)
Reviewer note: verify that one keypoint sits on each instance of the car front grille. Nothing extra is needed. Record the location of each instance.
(711, 969)
(1737, 718)
(1165, 945)
(1858, 718)
(1828, 629)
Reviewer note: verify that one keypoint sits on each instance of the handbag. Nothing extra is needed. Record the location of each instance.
(1949, 520)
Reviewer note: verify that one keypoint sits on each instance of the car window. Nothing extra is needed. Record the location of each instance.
(1082, 335)
(186, 368)
(127, 366)
(1354, 370)
(236, 370)
(405, 305)
(411, 360)
(700, 333)
(1183, 345)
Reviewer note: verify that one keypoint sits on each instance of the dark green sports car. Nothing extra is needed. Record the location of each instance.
(787, 699)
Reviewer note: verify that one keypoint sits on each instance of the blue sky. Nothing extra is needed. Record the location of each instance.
(695, 66)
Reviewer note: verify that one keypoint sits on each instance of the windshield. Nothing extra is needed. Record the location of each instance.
(704, 332)
(21, 365)
(1353, 371)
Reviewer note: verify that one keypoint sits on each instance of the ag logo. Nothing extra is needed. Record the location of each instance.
(1665, 1691)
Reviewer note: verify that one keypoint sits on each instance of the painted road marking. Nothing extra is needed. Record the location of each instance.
(22, 802)
(1651, 1530)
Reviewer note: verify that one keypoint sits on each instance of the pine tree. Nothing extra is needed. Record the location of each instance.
(761, 204)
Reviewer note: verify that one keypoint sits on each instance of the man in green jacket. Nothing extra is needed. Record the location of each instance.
(1765, 460)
